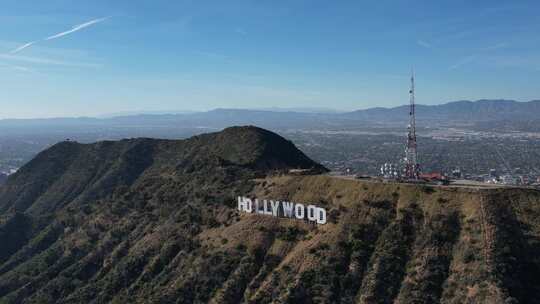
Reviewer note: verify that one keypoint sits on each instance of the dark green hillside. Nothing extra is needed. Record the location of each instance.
(155, 221)
(70, 172)
(84, 222)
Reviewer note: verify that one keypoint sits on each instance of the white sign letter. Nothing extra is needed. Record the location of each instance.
(275, 206)
(241, 203)
(257, 206)
(321, 216)
(287, 209)
(299, 211)
(248, 205)
(312, 213)
(266, 209)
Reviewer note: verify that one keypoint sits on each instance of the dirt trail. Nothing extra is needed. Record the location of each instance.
(488, 231)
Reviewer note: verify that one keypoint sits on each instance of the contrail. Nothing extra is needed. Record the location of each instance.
(22, 47)
(77, 28)
(73, 30)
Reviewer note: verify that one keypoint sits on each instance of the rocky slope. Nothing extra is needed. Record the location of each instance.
(155, 221)
(398, 243)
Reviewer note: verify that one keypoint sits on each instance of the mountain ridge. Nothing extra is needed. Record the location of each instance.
(131, 157)
(464, 110)
(451, 109)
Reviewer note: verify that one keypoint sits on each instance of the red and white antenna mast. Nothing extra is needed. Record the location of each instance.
(412, 169)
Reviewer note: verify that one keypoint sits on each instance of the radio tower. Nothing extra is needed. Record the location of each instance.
(412, 169)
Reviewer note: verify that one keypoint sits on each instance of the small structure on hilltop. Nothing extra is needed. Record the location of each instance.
(409, 168)
(390, 171)
(412, 168)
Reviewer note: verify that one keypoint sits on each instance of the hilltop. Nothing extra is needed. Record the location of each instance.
(147, 220)
(73, 172)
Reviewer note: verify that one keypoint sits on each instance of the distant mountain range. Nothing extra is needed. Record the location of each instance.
(480, 111)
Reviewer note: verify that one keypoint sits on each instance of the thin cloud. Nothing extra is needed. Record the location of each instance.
(17, 68)
(22, 47)
(462, 62)
(479, 56)
(240, 31)
(36, 60)
(498, 46)
(514, 62)
(423, 43)
(62, 34)
(500, 9)
(22, 69)
(393, 76)
(213, 55)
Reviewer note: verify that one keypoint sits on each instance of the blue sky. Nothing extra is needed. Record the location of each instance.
(199, 55)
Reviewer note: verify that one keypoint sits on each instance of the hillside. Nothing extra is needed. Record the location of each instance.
(156, 221)
(398, 243)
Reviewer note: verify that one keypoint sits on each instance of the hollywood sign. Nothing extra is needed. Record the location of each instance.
(283, 209)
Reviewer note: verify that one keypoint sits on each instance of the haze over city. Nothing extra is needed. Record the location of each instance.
(60, 58)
